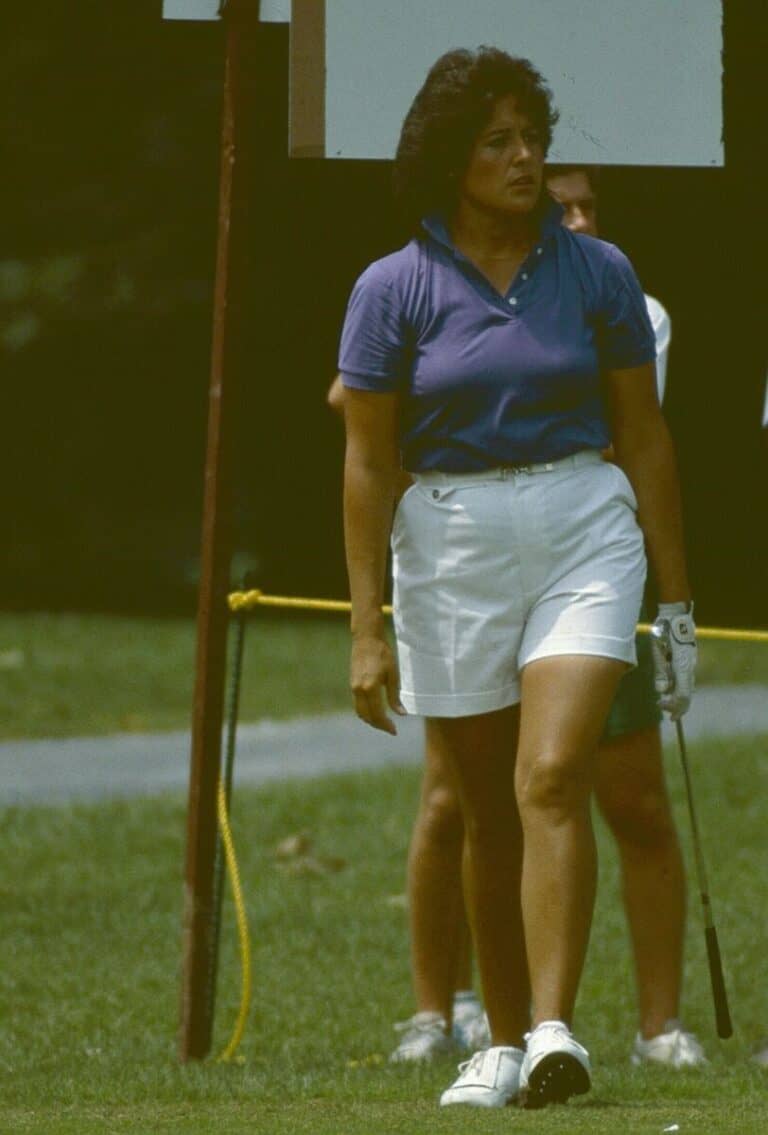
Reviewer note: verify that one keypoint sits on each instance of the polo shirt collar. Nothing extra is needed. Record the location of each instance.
(551, 217)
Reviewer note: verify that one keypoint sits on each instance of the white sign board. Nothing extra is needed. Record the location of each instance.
(636, 81)
(270, 11)
(190, 9)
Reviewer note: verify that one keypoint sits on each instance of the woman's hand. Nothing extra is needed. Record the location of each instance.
(373, 673)
(673, 641)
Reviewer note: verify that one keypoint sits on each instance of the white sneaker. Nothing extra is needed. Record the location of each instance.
(470, 1024)
(674, 1048)
(555, 1066)
(425, 1036)
(760, 1056)
(490, 1079)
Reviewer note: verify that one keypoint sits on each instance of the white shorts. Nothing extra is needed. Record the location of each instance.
(492, 570)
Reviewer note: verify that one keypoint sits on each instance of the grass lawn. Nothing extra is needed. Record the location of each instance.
(89, 986)
(71, 675)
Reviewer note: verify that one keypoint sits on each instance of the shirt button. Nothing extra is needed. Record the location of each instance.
(525, 275)
(513, 301)
(436, 494)
(539, 251)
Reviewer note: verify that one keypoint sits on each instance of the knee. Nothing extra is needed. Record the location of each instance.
(441, 815)
(492, 825)
(639, 815)
(556, 783)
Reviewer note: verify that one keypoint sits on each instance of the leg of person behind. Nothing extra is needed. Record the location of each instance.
(439, 931)
(440, 935)
(632, 795)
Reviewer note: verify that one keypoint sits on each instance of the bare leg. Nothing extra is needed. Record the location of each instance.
(565, 701)
(465, 978)
(632, 795)
(465, 970)
(482, 750)
(440, 937)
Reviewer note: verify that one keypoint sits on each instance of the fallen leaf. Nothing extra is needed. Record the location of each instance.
(371, 1061)
(293, 846)
(400, 902)
(310, 865)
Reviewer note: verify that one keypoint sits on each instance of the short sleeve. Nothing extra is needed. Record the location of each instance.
(625, 336)
(374, 339)
(662, 330)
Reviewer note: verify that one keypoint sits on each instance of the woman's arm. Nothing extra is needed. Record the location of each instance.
(371, 470)
(643, 448)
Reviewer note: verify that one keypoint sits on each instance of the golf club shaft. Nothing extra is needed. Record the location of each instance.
(719, 995)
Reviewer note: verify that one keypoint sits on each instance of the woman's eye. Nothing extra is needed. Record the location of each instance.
(532, 137)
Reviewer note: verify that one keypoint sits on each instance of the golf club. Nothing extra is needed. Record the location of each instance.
(719, 995)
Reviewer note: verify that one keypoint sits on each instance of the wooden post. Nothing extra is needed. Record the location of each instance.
(199, 941)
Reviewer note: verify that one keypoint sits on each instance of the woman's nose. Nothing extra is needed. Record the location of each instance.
(523, 150)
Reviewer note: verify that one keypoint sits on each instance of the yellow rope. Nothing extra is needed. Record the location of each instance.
(724, 634)
(242, 927)
(249, 600)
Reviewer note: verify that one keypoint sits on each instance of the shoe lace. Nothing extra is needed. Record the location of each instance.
(419, 1024)
(473, 1064)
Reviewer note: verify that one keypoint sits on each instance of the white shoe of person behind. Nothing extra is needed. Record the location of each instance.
(491, 1078)
(674, 1048)
(425, 1036)
(470, 1024)
(760, 1055)
(555, 1067)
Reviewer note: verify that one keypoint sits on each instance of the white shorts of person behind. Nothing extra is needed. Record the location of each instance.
(492, 570)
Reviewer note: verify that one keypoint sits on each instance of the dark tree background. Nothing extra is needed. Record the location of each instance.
(109, 150)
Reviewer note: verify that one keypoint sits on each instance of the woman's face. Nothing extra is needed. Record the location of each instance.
(505, 168)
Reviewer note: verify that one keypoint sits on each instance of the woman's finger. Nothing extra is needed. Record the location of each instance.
(369, 708)
(393, 691)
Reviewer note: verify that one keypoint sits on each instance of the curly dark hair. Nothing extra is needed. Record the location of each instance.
(448, 113)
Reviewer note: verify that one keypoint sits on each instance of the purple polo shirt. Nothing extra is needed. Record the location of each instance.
(488, 379)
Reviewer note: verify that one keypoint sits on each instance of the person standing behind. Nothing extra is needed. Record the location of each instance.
(630, 786)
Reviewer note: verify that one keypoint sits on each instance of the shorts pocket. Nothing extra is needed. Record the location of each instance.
(446, 492)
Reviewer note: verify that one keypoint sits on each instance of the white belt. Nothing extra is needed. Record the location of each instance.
(506, 472)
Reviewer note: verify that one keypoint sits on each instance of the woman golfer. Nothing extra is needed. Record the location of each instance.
(495, 356)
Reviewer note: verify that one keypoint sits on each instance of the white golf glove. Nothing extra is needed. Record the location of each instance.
(673, 642)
